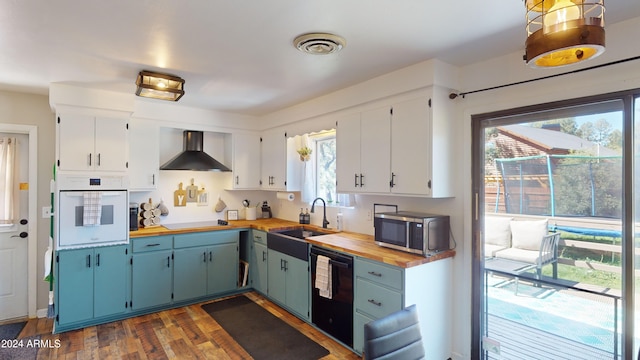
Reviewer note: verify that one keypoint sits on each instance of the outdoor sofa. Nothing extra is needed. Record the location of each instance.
(526, 241)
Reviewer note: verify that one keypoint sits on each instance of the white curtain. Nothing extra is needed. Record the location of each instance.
(308, 192)
(7, 175)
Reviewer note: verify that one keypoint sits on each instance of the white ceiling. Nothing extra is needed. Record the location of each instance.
(237, 55)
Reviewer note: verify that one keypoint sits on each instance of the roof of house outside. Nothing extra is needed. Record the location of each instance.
(552, 139)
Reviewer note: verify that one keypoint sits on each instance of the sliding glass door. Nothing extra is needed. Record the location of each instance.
(552, 247)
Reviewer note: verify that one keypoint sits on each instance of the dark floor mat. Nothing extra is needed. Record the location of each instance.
(17, 349)
(260, 333)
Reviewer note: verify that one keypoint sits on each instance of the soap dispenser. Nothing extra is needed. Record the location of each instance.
(307, 217)
(301, 217)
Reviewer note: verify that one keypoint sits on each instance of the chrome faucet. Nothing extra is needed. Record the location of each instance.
(325, 222)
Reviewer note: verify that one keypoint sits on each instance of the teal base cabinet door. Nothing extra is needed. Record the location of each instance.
(258, 267)
(151, 279)
(190, 273)
(151, 272)
(222, 271)
(205, 264)
(91, 283)
(288, 281)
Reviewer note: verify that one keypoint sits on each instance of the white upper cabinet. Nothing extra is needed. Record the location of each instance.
(246, 161)
(274, 160)
(89, 143)
(422, 145)
(411, 147)
(362, 145)
(144, 163)
(403, 148)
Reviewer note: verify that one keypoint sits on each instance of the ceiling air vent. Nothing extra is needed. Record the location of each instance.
(319, 43)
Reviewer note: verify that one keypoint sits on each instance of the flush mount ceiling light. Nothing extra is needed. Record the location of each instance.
(563, 32)
(319, 43)
(159, 86)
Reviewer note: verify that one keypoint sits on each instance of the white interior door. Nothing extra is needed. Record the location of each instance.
(13, 247)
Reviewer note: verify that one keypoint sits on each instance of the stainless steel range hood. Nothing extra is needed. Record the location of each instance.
(193, 156)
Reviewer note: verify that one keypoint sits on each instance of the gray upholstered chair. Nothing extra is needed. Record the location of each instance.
(395, 336)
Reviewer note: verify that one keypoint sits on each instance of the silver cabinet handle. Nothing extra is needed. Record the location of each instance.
(374, 273)
(376, 303)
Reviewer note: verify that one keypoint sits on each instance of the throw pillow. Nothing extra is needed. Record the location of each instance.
(528, 234)
(497, 230)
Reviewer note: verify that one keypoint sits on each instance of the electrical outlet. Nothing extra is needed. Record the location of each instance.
(369, 215)
(46, 212)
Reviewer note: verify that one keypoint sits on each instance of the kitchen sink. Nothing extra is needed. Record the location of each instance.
(291, 242)
(300, 233)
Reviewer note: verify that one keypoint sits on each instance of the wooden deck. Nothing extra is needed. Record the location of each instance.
(520, 342)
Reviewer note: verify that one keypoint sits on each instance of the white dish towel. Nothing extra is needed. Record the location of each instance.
(323, 277)
(92, 208)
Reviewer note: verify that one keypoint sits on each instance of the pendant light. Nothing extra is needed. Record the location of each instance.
(159, 86)
(563, 32)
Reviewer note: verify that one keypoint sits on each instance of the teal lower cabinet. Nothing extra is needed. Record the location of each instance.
(152, 272)
(91, 283)
(258, 262)
(378, 292)
(381, 289)
(222, 270)
(190, 273)
(288, 279)
(205, 264)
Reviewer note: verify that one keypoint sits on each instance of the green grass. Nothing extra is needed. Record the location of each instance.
(604, 279)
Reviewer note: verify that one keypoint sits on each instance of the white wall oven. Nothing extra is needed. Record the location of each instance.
(91, 211)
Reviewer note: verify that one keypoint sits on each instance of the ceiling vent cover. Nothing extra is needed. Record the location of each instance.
(319, 43)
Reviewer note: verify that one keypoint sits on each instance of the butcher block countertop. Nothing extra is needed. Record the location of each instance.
(353, 243)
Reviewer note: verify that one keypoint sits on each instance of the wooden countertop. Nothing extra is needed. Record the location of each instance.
(353, 243)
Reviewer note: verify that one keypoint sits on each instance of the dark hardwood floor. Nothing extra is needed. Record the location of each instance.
(182, 333)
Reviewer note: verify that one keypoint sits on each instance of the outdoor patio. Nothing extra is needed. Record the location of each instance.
(550, 322)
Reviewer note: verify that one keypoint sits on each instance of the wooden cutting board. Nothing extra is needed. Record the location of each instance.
(180, 196)
(192, 192)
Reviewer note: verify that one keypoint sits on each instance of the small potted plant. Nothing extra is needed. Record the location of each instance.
(305, 153)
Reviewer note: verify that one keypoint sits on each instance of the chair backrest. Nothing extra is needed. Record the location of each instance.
(549, 249)
(395, 336)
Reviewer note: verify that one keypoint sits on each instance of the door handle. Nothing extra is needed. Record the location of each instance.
(264, 256)
(210, 256)
(88, 261)
(90, 159)
(361, 180)
(392, 182)
(23, 235)
(98, 159)
(24, 221)
(98, 260)
(204, 256)
(376, 303)
(168, 261)
(355, 180)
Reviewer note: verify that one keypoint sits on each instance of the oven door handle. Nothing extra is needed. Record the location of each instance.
(75, 193)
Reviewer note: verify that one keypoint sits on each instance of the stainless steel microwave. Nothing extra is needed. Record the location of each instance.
(413, 232)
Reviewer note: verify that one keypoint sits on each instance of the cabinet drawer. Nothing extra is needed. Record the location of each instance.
(359, 321)
(204, 238)
(153, 243)
(379, 273)
(375, 300)
(260, 237)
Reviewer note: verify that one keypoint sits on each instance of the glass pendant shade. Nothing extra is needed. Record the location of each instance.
(563, 32)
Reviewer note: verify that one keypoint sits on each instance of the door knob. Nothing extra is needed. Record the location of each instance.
(23, 235)
(24, 221)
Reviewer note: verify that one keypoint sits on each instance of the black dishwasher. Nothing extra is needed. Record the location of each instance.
(334, 315)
